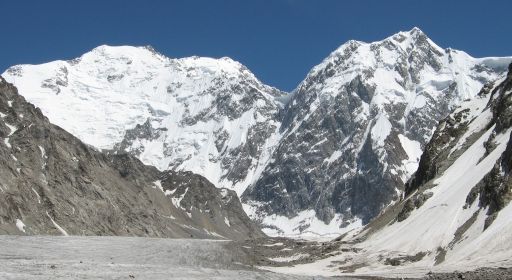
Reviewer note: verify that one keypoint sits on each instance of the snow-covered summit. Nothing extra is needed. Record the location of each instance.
(197, 113)
(404, 41)
(413, 49)
(147, 55)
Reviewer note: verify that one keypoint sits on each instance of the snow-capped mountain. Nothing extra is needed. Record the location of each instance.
(354, 130)
(456, 215)
(52, 183)
(209, 116)
(331, 154)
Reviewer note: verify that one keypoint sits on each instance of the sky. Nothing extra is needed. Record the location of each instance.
(278, 40)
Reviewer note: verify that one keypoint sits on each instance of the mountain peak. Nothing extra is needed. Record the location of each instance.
(412, 39)
(149, 55)
(125, 50)
(415, 30)
(413, 35)
(114, 94)
(355, 52)
(405, 39)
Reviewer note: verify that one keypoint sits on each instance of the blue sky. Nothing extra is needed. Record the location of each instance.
(279, 40)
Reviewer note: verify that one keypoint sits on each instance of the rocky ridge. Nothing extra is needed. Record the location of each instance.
(52, 183)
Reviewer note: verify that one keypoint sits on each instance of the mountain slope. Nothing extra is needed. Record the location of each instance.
(52, 183)
(457, 217)
(466, 203)
(354, 130)
(208, 116)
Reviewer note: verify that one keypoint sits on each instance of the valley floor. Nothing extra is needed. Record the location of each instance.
(49, 257)
(52, 257)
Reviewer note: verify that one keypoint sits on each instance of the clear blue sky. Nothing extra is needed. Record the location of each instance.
(279, 40)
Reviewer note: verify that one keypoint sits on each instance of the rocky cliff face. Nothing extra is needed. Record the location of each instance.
(52, 183)
(354, 129)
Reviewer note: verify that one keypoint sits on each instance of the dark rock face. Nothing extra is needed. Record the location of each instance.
(349, 127)
(501, 103)
(141, 131)
(52, 183)
(434, 158)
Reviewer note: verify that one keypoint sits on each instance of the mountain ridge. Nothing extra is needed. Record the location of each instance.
(244, 135)
(381, 101)
(140, 85)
